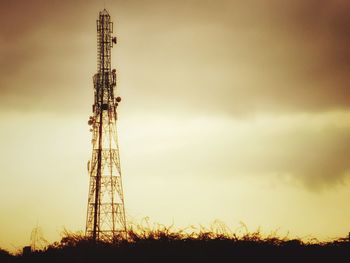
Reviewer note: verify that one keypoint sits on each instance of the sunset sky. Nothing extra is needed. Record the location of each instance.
(231, 110)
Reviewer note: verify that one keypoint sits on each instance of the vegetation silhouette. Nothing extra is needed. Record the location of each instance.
(165, 244)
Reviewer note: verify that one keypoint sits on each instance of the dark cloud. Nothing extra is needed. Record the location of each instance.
(252, 57)
(41, 50)
(222, 56)
(317, 158)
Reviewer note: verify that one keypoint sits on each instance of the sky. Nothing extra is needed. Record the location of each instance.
(236, 111)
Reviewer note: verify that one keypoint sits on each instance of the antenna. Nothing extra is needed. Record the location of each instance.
(105, 218)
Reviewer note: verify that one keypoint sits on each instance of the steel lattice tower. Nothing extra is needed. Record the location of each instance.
(105, 212)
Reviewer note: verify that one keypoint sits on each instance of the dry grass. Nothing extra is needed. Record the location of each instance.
(148, 242)
(217, 231)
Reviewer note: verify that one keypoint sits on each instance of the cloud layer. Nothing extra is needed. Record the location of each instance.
(233, 58)
(299, 149)
(221, 59)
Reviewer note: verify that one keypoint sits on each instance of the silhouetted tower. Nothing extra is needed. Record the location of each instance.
(105, 211)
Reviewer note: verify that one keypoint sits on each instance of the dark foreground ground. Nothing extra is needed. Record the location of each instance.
(167, 247)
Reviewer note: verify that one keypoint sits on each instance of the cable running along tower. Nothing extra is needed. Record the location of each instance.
(105, 211)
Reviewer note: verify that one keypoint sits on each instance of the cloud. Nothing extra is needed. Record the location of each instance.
(244, 58)
(200, 58)
(224, 57)
(315, 154)
(299, 149)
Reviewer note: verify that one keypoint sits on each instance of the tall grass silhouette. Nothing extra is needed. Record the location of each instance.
(159, 243)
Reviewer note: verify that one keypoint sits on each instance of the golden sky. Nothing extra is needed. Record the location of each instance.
(232, 110)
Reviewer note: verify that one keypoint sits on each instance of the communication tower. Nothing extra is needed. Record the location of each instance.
(105, 218)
